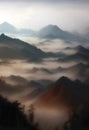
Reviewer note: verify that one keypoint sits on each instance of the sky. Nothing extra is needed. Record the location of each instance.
(71, 15)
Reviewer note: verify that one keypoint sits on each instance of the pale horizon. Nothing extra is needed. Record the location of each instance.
(37, 14)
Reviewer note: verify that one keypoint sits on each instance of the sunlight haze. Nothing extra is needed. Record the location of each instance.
(37, 14)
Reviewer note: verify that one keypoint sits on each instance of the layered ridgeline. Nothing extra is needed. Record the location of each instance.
(64, 93)
(81, 54)
(9, 28)
(47, 32)
(54, 32)
(11, 48)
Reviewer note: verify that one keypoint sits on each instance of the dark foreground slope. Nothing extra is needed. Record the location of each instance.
(11, 48)
(64, 93)
(12, 116)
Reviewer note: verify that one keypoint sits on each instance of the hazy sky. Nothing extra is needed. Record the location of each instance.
(34, 14)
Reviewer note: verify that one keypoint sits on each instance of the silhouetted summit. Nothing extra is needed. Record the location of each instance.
(65, 92)
(4, 37)
(63, 80)
(81, 54)
(82, 49)
(11, 48)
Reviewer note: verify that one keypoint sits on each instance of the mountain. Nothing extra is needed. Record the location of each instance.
(48, 32)
(80, 66)
(82, 50)
(64, 93)
(59, 69)
(79, 57)
(15, 80)
(80, 71)
(7, 28)
(78, 48)
(34, 89)
(77, 71)
(10, 29)
(7, 89)
(39, 70)
(81, 54)
(16, 87)
(11, 48)
(54, 32)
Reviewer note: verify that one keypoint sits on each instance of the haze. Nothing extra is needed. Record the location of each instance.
(67, 14)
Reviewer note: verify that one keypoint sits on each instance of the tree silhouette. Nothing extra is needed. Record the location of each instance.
(31, 116)
(12, 116)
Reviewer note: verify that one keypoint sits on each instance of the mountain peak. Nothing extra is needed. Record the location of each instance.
(52, 27)
(4, 23)
(3, 36)
(80, 48)
(51, 31)
(7, 27)
(63, 79)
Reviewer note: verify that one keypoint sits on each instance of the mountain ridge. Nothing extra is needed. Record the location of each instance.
(12, 48)
(64, 93)
(6, 27)
(49, 32)
(54, 32)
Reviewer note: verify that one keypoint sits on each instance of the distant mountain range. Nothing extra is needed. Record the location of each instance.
(64, 93)
(41, 70)
(79, 71)
(78, 48)
(48, 32)
(81, 55)
(12, 48)
(54, 32)
(9, 28)
(24, 89)
(15, 80)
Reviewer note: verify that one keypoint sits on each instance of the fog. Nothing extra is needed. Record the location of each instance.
(24, 80)
(30, 14)
(24, 68)
(28, 81)
(51, 118)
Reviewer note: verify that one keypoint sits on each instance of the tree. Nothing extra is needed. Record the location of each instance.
(31, 114)
(12, 116)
